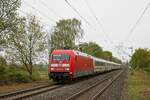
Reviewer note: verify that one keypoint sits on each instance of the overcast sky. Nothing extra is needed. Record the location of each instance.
(115, 18)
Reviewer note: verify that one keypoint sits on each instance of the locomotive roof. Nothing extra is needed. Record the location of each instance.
(82, 54)
(95, 58)
(105, 61)
(87, 55)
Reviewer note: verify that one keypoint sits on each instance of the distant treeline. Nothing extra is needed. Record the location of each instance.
(95, 50)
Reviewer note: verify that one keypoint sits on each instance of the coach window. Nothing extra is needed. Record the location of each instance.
(103, 64)
(97, 63)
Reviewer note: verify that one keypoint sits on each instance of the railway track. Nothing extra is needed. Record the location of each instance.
(28, 92)
(55, 92)
(94, 91)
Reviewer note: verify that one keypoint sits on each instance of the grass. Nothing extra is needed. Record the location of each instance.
(139, 85)
(44, 75)
(40, 77)
(18, 86)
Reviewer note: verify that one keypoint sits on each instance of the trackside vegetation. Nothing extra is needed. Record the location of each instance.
(139, 75)
(13, 73)
(141, 60)
(22, 38)
(138, 85)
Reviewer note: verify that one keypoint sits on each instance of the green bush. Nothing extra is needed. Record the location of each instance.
(36, 74)
(18, 77)
(13, 74)
(2, 74)
(16, 73)
(3, 65)
(2, 61)
(2, 70)
(147, 69)
(41, 67)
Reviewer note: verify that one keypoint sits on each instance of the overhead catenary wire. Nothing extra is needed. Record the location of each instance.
(136, 23)
(100, 24)
(49, 9)
(98, 21)
(73, 8)
(39, 11)
(84, 18)
(25, 13)
(120, 48)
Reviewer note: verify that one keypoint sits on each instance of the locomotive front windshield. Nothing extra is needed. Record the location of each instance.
(61, 57)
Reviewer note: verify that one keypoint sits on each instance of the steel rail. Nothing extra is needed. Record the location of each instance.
(107, 86)
(74, 96)
(21, 92)
(33, 93)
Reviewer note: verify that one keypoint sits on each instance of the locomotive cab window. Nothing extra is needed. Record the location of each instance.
(65, 57)
(56, 57)
(61, 57)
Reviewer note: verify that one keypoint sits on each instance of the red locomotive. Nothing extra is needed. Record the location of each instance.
(71, 64)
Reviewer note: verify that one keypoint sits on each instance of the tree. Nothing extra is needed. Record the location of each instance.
(91, 48)
(8, 17)
(65, 33)
(116, 60)
(2, 61)
(25, 44)
(107, 55)
(95, 50)
(140, 59)
(3, 65)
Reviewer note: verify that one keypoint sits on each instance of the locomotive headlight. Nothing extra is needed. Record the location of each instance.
(54, 65)
(67, 69)
(52, 68)
(65, 65)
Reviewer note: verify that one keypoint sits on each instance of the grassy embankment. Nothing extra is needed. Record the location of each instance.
(15, 78)
(139, 85)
